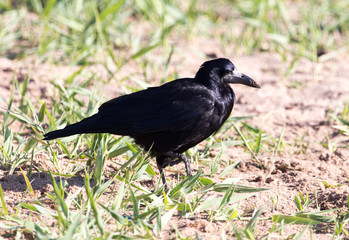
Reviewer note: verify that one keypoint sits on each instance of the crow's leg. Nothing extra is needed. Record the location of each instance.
(160, 163)
(167, 160)
(187, 165)
(180, 158)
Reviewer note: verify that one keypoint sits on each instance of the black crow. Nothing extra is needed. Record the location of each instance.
(171, 118)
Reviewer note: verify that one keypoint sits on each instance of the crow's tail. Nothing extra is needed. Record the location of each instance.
(88, 125)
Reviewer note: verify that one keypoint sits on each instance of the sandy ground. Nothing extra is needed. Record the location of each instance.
(300, 167)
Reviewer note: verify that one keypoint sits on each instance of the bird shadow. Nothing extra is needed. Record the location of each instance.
(39, 181)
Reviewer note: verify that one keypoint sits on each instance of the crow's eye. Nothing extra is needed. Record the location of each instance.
(226, 72)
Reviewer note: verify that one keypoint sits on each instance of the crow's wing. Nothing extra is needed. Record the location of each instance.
(160, 109)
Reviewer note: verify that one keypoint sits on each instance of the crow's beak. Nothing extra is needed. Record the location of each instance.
(238, 77)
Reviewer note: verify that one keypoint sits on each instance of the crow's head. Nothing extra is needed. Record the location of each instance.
(223, 70)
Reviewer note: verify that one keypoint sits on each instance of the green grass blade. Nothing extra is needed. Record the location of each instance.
(48, 7)
(73, 226)
(278, 144)
(59, 195)
(247, 145)
(226, 198)
(96, 213)
(294, 220)
(64, 148)
(134, 203)
(114, 8)
(42, 112)
(165, 218)
(237, 188)
(144, 51)
(27, 182)
(100, 161)
(114, 214)
(3, 202)
(29, 145)
(229, 168)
